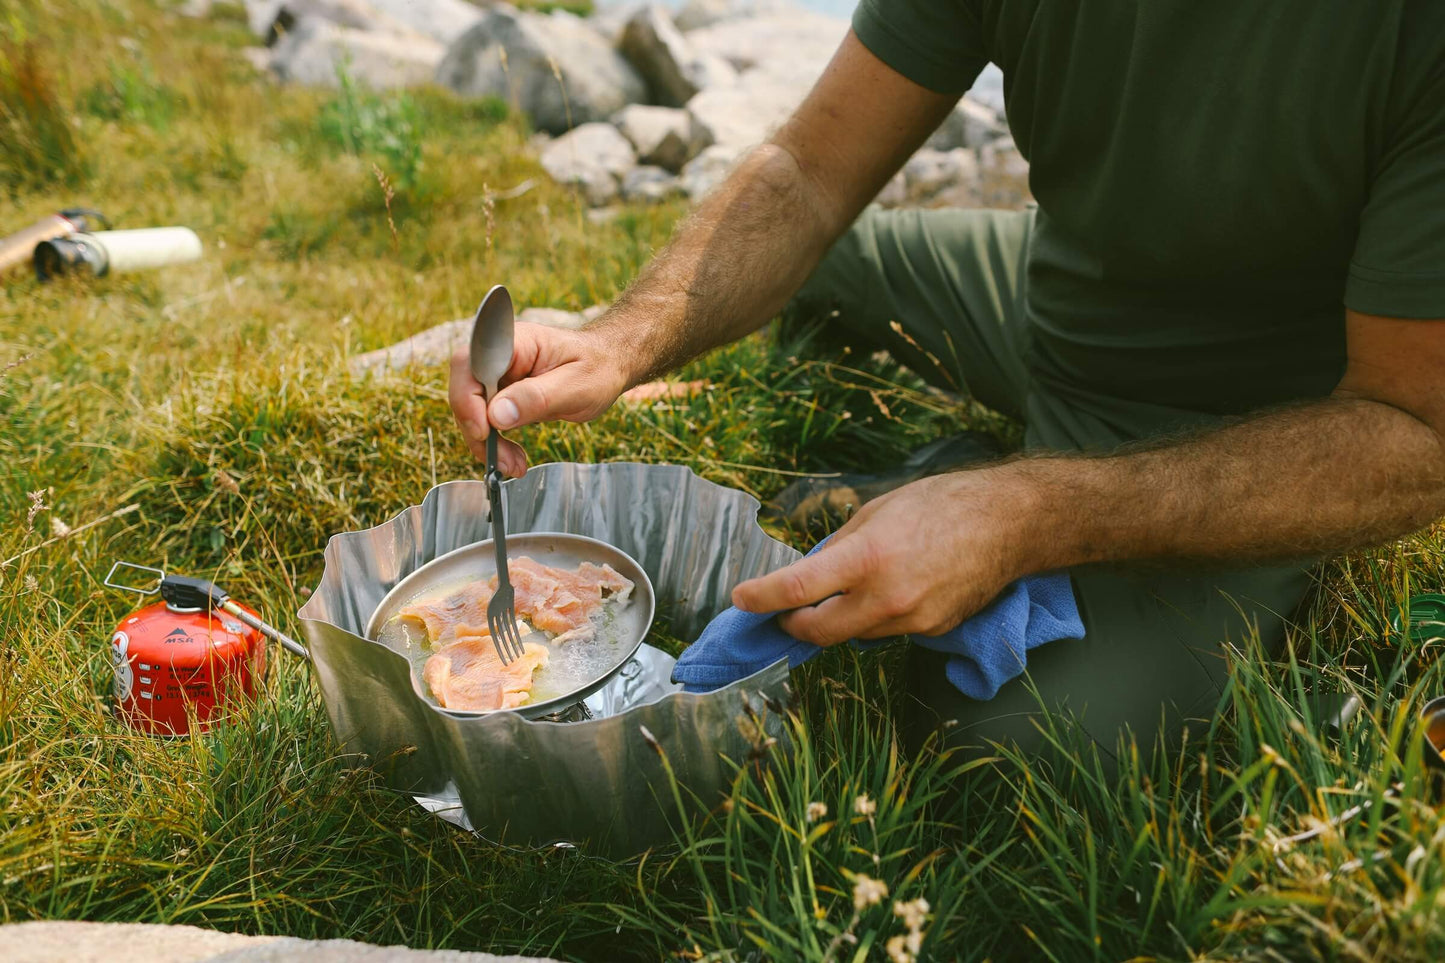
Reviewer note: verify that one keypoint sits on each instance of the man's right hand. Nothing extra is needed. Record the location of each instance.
(556, 375)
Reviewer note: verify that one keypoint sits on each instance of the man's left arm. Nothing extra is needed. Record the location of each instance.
(1358, 468)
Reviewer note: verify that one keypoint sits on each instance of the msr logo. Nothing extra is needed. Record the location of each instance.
(176, 635)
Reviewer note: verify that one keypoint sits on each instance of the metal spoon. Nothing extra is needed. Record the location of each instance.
(490, 356)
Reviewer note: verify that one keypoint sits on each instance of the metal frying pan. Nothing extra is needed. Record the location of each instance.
(575, 670)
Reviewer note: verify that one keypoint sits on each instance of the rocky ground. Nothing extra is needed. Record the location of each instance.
(632, 103)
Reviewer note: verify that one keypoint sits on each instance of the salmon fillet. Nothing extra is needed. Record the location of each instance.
(561, 602)
(467, 674)
(442, 616)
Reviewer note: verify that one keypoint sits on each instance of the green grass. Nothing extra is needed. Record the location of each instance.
(160, 390)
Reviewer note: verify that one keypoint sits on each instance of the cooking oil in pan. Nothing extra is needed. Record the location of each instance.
(570, 665)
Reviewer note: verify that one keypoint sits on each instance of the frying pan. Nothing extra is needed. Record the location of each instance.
(575, 670)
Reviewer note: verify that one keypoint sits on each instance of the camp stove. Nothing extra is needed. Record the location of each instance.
(191, 654)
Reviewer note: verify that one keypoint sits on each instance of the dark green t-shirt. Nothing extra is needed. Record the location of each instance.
(1216, 181)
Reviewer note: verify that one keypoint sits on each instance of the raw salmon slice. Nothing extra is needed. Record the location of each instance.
(467, 674)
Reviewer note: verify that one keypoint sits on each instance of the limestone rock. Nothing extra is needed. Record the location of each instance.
(704, 13)
(430, 348)
(1002, 159)
(930, 172)
(673, 68)
(745, 113)
(969, 124)
(594, 157)
(77, 942)
(663, 136)
(442, 20)
(310, 52)
(553, 318)
(273, 19)
(649, 184)
(773, 40)
(539, 50)
(707, 170)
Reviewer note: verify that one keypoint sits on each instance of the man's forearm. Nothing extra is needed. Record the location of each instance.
(1297, 483)
(731, 267)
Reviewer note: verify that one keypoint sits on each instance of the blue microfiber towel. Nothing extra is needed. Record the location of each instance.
(987, 650)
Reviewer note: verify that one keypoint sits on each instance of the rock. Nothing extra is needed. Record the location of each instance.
(673, 68)
(258, 57)
(1002, 159)
(744, 114)
(707, 170)
(649, 184)
(593, 313)
(780, 40)
(430, 348)
(553, 318)
(75, 942)
(929, 172)
(273, 19)
(969, 124)
(664, 136)
(310, 52)
(442, 20)
(434, 346)
(597, 80)
(594, 157)
(703, 13)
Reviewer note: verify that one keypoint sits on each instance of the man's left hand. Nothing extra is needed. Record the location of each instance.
(918, 560)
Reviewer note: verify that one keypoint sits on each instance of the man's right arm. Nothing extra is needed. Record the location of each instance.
(733, 263)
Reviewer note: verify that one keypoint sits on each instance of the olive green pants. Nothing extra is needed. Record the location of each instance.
(953, 282)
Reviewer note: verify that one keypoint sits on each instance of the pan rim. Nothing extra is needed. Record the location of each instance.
(409, 583)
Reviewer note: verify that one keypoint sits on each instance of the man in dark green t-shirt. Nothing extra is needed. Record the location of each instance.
(1237, 264)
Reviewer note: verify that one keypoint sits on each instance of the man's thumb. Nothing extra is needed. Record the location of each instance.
(546, 397)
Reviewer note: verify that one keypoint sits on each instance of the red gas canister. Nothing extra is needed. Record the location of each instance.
(170, 661)
(196, 652)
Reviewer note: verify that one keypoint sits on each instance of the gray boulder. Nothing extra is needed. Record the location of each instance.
(273, 19)
(310, 53)
(442, 20)
(930, 172)
(969, 124)
(673, 68)
(704, 13)
(663, 136)
(1002, 159)
(649, 184)
(594, 157)
(559, 70)
(745, 113)
(773, 41)
(707, 170)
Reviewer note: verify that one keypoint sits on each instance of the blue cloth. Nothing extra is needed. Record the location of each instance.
(987, 650)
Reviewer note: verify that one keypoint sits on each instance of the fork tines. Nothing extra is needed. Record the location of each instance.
(502, 620)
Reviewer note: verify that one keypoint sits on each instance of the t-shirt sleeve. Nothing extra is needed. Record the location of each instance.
(1398, 267)
(937, 44)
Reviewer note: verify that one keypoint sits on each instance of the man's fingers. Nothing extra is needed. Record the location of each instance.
(512, 457)
(562, 394)
(835, 620)
(469, 407)
(837, 567)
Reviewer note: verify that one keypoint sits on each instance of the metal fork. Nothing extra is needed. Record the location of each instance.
(502, 609)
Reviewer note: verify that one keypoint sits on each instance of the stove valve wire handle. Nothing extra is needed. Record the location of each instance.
(196, 594)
